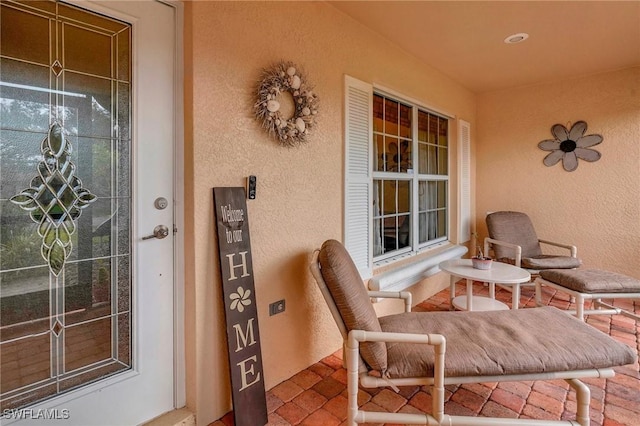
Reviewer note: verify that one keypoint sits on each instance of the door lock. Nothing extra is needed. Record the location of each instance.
(161, 203)
(159, 232)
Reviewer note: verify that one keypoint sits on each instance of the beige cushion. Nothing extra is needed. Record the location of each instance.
(592, 281)
(523, 341)
(550, 262)
(348, 292)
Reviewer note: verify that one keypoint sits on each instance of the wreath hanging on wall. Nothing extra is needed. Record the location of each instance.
(276, 82)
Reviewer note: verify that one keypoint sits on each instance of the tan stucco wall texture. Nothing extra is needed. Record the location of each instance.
(300, 190)
(597, 206)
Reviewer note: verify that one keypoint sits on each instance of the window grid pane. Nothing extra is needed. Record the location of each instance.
(378, 113)
(392, 133)
(392, 215)
(433, 155)
(391, 119)
(432, 210)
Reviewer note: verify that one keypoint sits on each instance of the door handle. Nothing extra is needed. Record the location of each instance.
(159, 232)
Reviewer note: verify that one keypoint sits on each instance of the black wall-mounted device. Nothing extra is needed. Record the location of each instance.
(251, 187)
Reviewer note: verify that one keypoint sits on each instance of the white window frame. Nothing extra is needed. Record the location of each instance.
(359, 176)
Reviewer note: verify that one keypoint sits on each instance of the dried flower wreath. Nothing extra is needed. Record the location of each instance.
(284, 77)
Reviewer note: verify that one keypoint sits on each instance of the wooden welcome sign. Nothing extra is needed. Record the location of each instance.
(238, 289)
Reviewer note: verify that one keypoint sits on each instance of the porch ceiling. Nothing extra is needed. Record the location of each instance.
(464, 39)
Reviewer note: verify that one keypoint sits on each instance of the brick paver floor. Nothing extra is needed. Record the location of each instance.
(317, 396)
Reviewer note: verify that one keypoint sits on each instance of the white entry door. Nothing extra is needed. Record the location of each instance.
(87, 133)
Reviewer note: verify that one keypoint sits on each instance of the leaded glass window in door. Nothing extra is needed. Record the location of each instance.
(65, 201)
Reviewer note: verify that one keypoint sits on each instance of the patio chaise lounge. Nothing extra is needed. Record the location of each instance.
(441, 348)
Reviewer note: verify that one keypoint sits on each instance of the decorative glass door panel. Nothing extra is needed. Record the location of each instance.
(65, 199)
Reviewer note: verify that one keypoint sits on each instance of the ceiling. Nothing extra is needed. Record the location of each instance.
(465, 39)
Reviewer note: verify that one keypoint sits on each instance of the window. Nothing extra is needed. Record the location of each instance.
(396, 132)
(397, 176)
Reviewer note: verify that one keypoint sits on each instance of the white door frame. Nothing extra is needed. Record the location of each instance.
(180, 396)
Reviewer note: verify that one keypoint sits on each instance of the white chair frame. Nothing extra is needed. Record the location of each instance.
(357, 375)
(573, 250)
(518, 249)
(599, 307)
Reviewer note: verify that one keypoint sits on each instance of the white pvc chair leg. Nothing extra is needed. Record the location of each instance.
(538, 293)
(583, 397)
(352, 383)
(580, 308)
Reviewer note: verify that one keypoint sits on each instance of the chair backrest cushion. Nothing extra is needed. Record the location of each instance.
(514, 228)
(351, 298)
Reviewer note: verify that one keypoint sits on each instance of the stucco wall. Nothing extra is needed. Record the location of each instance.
(597, 206)
(299, 193)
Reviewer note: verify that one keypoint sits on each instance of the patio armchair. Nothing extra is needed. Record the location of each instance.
(514, 240)
(441, 348)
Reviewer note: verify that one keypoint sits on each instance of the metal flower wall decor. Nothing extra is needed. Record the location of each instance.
(570, 145)
(55, 199)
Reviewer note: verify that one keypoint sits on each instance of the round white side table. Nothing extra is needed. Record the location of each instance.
(500, 273)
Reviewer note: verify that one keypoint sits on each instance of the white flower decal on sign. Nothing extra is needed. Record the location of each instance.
(569, 145)
(240, 299)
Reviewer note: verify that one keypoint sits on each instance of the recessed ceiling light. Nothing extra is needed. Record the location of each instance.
(516, 38)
